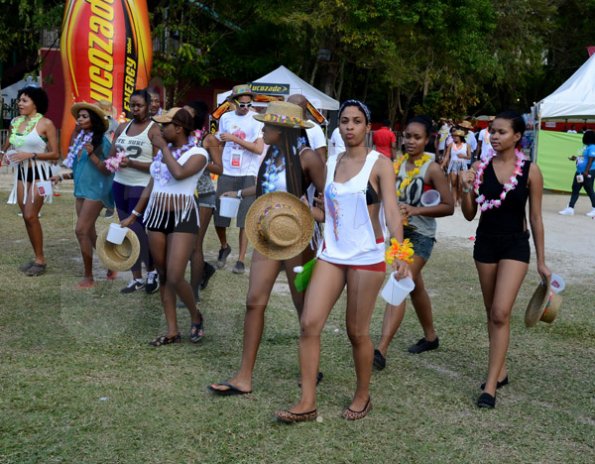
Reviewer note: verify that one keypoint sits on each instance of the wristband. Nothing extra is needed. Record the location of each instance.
(34, 157)
(136, 213)
(466, 190)
(239, 194)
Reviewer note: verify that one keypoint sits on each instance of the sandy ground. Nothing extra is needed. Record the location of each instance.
(569, 240)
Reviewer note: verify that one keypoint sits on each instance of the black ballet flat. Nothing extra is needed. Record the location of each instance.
(487, 401)
(499, 384)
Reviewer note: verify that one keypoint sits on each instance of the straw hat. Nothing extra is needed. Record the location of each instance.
(108, 108)
(284, 114)
(242, 89)
(543, 306)
(465, 125)
(179, 116)
(459, 132)
(279, 225)
(90, 107)
(118, 257)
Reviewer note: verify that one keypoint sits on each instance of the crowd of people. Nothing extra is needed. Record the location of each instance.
(338, 209)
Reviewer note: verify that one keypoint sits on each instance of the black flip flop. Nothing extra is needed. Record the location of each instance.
(231, 390)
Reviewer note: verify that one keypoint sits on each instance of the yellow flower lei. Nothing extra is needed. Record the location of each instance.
(410, 174)
(399, 251)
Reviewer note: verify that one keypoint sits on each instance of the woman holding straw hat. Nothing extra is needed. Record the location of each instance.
(171, 215)
(87, 153)
(500, 186)
(456, 160)
(352, 255)
(33, 144)
(289, 166)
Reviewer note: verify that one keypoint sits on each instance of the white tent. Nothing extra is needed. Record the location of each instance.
(282, 75)
(576, 97)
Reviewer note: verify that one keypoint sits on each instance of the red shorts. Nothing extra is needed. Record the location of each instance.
(377, 267)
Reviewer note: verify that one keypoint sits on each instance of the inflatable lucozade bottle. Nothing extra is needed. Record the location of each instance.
(106, 54)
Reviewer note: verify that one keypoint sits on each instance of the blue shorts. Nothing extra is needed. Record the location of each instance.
(422, 244)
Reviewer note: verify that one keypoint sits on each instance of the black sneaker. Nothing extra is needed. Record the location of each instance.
(424, 345)
(207, 273)
(379, 360)
(239, 268)
(152, 282)
(222, 258)
(133, 286)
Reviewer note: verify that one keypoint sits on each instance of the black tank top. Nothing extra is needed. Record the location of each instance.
(509, 218)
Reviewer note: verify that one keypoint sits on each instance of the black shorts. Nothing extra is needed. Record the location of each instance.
(167, 225)
(29, 175)
(493, 248)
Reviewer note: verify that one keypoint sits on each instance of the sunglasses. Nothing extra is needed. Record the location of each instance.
(244, 105)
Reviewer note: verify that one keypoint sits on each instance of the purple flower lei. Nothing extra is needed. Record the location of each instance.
(80, 141)
(159, 169)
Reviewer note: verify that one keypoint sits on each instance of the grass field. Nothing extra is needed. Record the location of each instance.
(78, 382)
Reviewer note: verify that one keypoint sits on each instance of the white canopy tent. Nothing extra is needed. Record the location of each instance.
(574, 98)
(282, 75)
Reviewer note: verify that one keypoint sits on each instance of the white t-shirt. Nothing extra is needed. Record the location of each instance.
(336, 143)
(237, 161)
(484, 138)
(471, 140)
(316, 138)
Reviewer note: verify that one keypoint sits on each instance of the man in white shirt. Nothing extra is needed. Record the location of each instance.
(469, 136)
(336, 143)
(241, 137)
(484, 140)
(316, 137)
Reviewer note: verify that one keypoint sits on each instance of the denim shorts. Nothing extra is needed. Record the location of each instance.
(422, 244)
(207, 200)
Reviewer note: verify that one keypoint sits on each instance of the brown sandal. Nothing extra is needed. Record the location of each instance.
(351, 415)
(288, 417)
(165, 340)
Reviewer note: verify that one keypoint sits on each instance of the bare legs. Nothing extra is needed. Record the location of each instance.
(87, 212)
(171, 253)
(325, 288)
(500, 284)
(197, 260)
(263, 273)
(393, 315)
(30, 210)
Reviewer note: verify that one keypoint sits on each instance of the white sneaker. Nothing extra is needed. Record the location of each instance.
(568, 211)
(591, 213)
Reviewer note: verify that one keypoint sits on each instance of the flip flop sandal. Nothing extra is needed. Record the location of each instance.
(165, 340)
(196, 332)
(231, 389)
(36, 270)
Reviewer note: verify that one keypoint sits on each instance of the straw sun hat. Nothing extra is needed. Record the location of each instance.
(118, 257)
(90, 107)
(543, 306)
(279, 225)
(284, 114)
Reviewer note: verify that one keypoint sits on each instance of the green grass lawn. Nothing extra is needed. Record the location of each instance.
(78, 382)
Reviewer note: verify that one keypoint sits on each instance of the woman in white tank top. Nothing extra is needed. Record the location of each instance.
(352, 255)
(139, 139)
(31, 146)
(456, 160)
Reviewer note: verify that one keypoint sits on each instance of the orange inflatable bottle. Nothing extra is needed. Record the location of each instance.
(106, 54)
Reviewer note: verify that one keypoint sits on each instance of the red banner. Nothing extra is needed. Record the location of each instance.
(106, 54)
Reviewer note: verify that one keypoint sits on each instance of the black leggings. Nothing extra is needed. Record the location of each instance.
(587, 185)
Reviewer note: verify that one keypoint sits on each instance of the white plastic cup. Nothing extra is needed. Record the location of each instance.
(116, 233)
(44, 188)
(557, 283)
(395, 291)
(430, 198)
(229, 207)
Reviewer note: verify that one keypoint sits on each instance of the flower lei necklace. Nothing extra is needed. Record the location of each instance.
(272, 171)
(159, 169)
(16, 139)
(409, 174)
(80, 141)
(481, 200)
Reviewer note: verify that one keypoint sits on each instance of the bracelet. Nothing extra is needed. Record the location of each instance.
(239, 194)
(136, 213)
(466, 190)
(34, 157)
